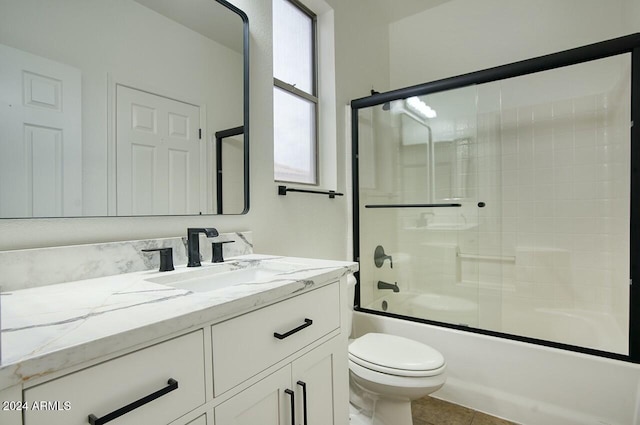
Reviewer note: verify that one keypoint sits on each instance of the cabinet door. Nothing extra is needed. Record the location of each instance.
(322, 375)
(11, 401)
(200, 420)
(264, 403)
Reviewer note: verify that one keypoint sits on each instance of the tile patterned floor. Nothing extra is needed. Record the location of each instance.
(431, 411)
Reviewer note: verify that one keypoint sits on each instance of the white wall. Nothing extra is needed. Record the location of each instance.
(631, 16)
(462, 36)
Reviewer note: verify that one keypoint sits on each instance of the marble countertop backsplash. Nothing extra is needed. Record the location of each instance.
(50, 327)
(28, 268)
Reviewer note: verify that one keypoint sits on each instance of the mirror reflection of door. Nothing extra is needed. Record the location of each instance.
(157, 154)
(40, 131)
(230, 174)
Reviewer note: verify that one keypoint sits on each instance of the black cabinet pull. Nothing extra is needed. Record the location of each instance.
(293, 406)
(172, 384)
(307, 323)
(304, 401)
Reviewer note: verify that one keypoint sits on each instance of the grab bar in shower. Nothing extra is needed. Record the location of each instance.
(487, 257)
(413, 206)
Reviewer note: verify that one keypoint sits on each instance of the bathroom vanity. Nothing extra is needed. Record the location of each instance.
(162, 348)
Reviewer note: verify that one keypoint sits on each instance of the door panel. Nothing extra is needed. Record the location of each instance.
(157, 154)
(40, 130)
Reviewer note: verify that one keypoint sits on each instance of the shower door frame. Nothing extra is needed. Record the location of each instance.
(617, 46)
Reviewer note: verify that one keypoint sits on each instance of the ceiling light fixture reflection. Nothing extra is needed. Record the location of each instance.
(417, 106)
(412, 106)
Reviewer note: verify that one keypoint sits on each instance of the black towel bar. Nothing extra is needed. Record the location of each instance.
(413, 206)
(282, 190)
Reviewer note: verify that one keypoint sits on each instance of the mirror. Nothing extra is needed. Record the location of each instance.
(111, 108)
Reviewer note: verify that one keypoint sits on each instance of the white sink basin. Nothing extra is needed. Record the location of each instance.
(210, 278)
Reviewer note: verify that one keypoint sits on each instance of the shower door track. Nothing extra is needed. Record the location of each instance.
(617, 46)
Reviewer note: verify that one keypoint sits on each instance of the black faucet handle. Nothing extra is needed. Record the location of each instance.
(166, 258)
(216, 249)
(379, 256)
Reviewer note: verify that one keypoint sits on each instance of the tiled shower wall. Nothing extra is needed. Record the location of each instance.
(559, 172)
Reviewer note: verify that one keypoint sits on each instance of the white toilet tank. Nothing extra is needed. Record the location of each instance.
(351, 294)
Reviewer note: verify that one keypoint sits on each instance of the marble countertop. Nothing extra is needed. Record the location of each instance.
(50, 328)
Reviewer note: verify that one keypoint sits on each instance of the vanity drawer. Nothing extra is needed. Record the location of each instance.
(245, 345)
(107, 387)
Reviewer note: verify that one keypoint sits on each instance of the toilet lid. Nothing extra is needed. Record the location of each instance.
(391, 353)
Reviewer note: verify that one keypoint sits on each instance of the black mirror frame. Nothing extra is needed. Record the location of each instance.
(245, 124)
(236, 131)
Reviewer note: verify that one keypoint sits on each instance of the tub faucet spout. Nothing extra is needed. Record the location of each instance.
(385, 285)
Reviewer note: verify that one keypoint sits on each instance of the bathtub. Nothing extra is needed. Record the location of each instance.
(441, 308)
(585, 328)
(525, 383)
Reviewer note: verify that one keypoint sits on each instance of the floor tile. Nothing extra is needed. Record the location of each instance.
(480, 418)
(431, 411)
(438, 412)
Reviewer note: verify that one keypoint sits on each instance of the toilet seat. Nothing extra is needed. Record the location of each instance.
(395, 355)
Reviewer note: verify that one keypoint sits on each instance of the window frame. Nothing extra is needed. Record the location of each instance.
(311, 97)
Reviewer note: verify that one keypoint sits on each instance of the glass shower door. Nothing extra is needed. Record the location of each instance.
(504, 206)
(418, 207)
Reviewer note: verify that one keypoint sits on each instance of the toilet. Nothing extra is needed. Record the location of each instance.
(387, 372)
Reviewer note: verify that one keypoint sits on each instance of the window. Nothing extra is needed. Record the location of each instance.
(295, 101)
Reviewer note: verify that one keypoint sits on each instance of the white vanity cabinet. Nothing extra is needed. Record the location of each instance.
(249, 344)
(304, 389)
(107, 387)
(283, 363)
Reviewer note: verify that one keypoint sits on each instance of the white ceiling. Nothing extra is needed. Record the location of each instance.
(206, 17)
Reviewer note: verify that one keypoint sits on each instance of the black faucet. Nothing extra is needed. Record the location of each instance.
(193, 243)
(385, 285)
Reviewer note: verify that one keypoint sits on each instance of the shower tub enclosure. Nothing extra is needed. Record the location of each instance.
(501, 201)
